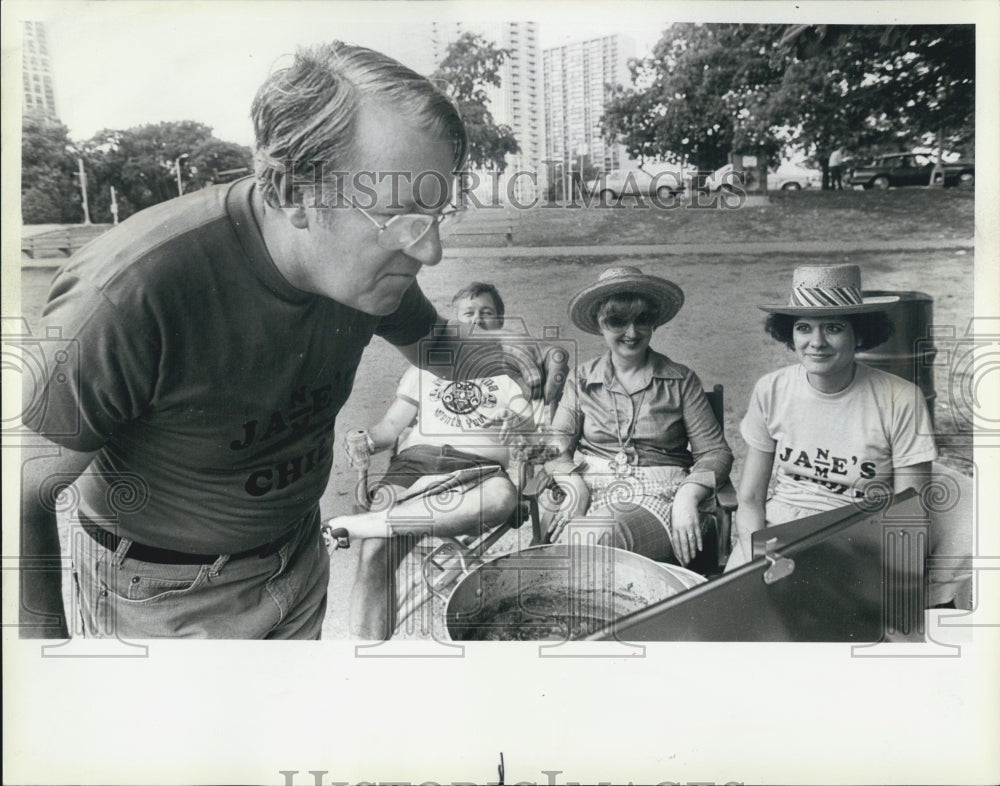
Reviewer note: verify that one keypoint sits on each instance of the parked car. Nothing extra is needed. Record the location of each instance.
(618, 183)
(792, 177)
(787, 177)
(909, 169)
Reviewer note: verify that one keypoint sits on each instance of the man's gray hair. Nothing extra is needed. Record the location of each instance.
(307, 112)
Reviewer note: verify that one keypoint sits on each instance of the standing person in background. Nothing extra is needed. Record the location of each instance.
(824, 163)
(836, 169)
(210, 342)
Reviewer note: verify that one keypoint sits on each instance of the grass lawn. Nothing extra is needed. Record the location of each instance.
(821, 216)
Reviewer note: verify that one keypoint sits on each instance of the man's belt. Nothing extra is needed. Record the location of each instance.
(144, 553)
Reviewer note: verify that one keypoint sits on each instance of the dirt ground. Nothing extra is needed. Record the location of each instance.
(718, 333)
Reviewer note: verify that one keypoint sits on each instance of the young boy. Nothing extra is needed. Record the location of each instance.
(461, 424)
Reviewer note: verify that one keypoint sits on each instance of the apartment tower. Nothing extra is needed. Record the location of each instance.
(38, 96)
(578, 77)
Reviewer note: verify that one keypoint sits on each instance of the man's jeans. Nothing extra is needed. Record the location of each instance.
(281, 596)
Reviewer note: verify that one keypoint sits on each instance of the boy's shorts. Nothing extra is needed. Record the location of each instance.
(408, 466)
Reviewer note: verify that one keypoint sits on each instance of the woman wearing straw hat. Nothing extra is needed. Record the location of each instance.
(640, 446)
(828, 428)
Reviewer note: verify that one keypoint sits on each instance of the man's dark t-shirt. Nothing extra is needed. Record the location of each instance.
(209, 383)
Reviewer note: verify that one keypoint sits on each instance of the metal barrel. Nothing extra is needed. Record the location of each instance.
(910, 352)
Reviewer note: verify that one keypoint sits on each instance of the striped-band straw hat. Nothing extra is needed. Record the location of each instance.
(828, 290)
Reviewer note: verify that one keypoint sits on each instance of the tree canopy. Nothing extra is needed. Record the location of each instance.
(140, 163)
(470, 64)
(49, 194)
(697, 97)
(708, 90)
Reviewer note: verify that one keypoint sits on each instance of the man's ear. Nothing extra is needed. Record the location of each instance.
(297, 216)
(292, 207)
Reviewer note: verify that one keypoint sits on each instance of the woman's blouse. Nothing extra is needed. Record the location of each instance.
(669, 422)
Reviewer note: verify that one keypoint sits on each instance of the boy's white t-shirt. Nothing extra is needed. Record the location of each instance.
(461, 413)
(828, 448)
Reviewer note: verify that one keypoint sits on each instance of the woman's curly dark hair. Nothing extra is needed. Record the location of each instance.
(870, 329)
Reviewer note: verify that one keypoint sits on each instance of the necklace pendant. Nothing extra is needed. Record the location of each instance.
(620, 464)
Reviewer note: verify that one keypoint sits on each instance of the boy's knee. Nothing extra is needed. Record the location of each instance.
(372, 549)
(383, 554)
(501, 496)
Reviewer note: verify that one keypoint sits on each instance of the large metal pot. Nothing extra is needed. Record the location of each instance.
(557, 592)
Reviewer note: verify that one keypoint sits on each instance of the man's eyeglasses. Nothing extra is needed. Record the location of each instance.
(405, 230)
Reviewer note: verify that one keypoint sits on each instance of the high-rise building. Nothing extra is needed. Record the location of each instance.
(578, 77)
(516, 103)
(38, 97)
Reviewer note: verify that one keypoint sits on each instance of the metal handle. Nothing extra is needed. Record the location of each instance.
(779, 567)
(428, 564)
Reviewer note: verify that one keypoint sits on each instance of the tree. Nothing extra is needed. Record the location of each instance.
(710, 89)
(141, 163)
(470, 64)
(697, 97)
(883, 87)
(49, 194)
(904, 83)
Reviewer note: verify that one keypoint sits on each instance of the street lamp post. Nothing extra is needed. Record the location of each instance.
(83, 190)
(582, 150)
(177, 171)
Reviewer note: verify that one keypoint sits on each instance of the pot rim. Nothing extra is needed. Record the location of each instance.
(638, 561)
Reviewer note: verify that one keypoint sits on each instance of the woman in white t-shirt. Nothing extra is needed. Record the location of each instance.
(830, 430)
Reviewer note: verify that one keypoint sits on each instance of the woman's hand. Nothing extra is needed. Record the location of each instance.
(685, 527)
(741, 553)
(557, 526)
(750, 515)
(574, 503)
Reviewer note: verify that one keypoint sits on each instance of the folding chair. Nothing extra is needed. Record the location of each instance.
(720, 507)
(456, 551)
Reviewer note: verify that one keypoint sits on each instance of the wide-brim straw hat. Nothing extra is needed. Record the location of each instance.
(829, 290)
(665, 295)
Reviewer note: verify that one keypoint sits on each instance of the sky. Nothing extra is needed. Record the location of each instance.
(121, 64)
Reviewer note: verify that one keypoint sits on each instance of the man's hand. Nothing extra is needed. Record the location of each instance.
(41, 609)
(556, 527)
(556, 371)
(515, 427)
